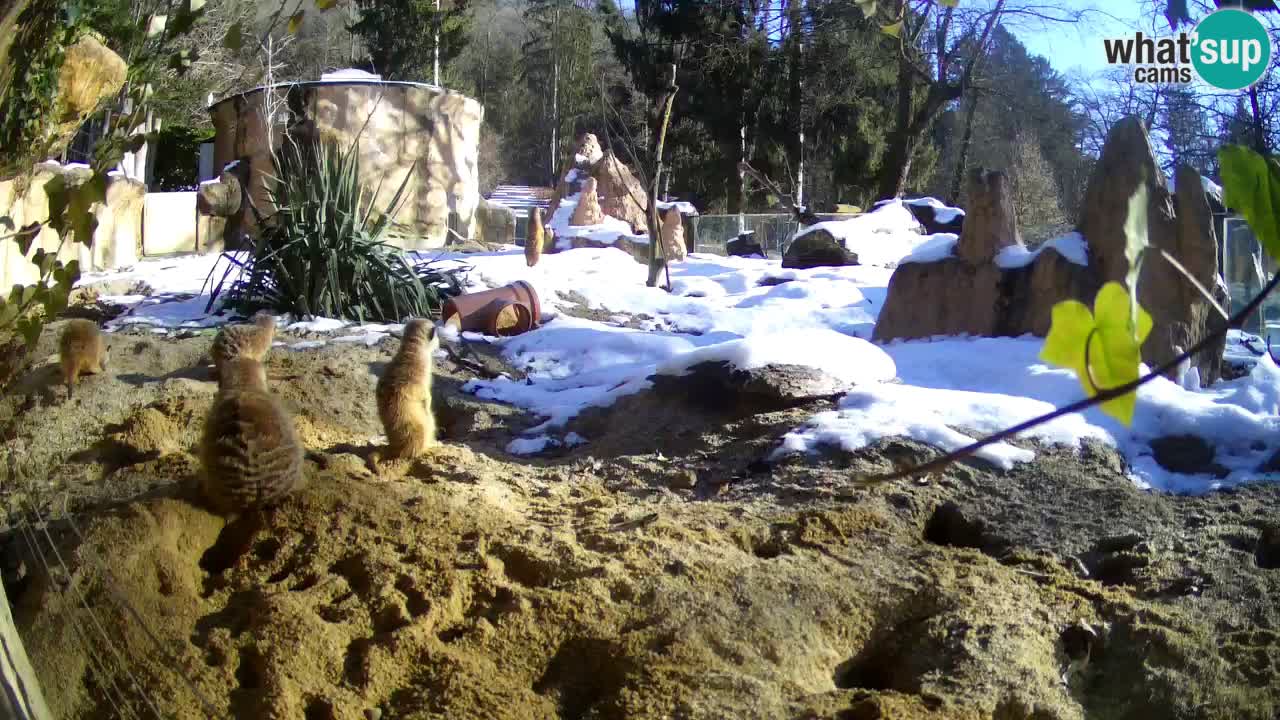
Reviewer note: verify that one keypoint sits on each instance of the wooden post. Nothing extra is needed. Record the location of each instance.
(21, 699)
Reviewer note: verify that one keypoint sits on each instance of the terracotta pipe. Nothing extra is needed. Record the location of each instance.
(507, 310)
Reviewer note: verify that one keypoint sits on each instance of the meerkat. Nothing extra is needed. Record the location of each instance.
(250, 451)
(251, 341)
(404, 392)
(534, 238)
(81, 350)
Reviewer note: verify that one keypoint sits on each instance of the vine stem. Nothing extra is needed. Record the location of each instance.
(1084, 404)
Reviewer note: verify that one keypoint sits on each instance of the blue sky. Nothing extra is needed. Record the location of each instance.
(1078, 46)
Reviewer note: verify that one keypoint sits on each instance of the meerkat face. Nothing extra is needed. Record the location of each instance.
(265, 321)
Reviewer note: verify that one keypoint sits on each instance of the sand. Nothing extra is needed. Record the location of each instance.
(660, 571)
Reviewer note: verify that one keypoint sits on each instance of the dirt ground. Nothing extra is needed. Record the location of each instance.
(663, 570)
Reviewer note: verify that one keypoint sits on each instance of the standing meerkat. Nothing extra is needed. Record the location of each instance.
(250, 451)
(81, 350)
(404, 392)
(251, 341)
(533, 238)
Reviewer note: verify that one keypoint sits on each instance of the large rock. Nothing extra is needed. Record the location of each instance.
(745, 245)
(91, 72)
(673, 236)
(927, 215)
(621, 194)
(990, 223)
(969, 293)
(495, 223)
(588, 211)
(221, 198)
(818, 248)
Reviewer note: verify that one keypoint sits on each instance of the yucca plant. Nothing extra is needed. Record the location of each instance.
(325, 250)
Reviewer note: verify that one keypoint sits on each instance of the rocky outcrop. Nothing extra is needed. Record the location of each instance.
(221, 198)
(673, 245)
(588, 211)
(971, 293)
(928, 217)
(534, 237)
(719, 385)
(621, 194)
(818, 248)
(495, 223)
(991, 223)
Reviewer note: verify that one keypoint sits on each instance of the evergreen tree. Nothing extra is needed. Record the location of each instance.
(401, 35)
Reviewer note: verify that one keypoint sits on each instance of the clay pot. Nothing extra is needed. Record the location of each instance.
(507, 310)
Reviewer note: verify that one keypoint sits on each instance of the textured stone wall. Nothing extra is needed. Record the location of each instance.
(117, 240)
(400, 128)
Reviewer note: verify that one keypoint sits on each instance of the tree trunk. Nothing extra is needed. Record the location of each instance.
(897, 159)
(657, 263)
(795, 92)
(1259, 133)
(962, 159)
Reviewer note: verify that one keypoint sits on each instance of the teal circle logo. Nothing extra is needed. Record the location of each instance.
(1231, 49)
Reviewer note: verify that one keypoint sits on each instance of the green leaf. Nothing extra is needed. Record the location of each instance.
(26, 237)
(323, 5)
(1105, 345)
(868, 7)
(7, 223)
(1135, 243)
(295, 22)
(30, 327)
(1251, 186)
(234, 39)
(892, 30)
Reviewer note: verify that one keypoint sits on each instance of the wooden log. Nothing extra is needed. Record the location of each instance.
(21, 698)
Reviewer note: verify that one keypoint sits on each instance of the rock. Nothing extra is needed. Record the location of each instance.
(927, 216)
(621, 194)
(947, 297)
(721, 386)
(534, 237)
(745, 245)
(1187, 454)
(817, 248)
(991, 221)
(673, 245)
(588, 211)
(588, 152)
(970, 294)
(495, 223)
(221, 198)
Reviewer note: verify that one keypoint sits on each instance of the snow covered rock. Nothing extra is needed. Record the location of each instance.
(672, 231)
(745, 245)
(936, 216)
(588, 210)
(720, 385)
(621, 194)
(991, 224)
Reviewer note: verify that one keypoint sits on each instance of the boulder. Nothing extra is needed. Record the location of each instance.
(969, 293)
(991, 224)
(221, 198)
(621, 194)
(534, 237)
(588, 152)
(672, 232)
(817, 248)
(1187, 454)
(720, 385)
(745, 245)
(588, 211)
(927, 216)
(495, 223)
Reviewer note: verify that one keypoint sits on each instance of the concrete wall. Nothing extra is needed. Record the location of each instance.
(131, 224)
(116, 241)
(400, 127)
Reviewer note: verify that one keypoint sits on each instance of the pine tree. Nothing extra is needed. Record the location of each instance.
(401, 35)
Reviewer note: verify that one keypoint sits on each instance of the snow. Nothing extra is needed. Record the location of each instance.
(942, 212)
(605, 232)
(682, 207)
(937, 247)
(1072, 246)
(881, 237)
(942, 391)
(350, 74)
(1212, 188)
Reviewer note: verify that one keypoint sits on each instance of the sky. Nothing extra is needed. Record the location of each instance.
(1078, 47)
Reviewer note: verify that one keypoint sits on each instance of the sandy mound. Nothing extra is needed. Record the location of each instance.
(613, 581)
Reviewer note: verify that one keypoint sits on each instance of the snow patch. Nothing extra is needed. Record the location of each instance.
(1071, 246)
(882, 237)
(937, 247)
(942, 212)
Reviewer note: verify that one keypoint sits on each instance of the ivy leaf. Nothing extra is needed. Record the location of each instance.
(26, 237)
(1135, 243)
(295, 22)
(30, 327)
(323, 5)
(234, 39)
(7, 223)
(1251, 186)
(71, 207)
(868, 7)
(893, 30)
(1113, 338)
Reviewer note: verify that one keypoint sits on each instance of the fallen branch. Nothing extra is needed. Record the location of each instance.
(802, 214)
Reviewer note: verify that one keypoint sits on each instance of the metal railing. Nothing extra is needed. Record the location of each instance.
(710, 233)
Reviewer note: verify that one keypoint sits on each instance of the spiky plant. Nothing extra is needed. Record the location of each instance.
(325, 251)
